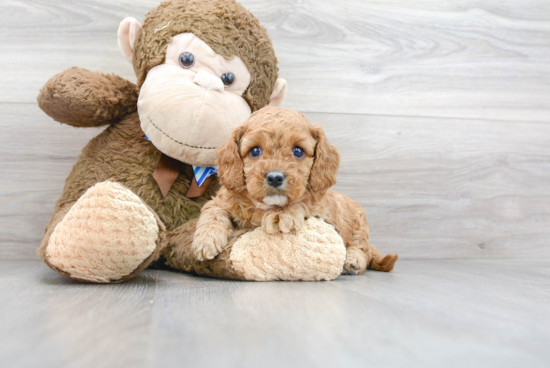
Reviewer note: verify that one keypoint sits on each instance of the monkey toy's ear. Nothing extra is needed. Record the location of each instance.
(127, 33)
(230, 163)
(279, 92)
(327, 161)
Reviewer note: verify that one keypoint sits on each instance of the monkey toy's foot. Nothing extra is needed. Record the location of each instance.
(108, 235)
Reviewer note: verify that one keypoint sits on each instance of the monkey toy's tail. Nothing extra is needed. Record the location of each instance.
(381, 263)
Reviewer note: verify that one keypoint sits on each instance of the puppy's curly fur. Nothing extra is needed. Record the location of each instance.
(282, 141)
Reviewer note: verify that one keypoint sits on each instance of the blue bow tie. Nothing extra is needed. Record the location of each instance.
(203, 173)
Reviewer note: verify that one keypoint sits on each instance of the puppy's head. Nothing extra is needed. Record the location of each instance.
(279, 157)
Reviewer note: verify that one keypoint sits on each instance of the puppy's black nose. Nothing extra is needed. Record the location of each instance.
(275, 178)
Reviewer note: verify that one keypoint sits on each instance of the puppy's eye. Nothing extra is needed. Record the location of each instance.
(228, 79)
(187, 60)
(298, 152)
(255, 152)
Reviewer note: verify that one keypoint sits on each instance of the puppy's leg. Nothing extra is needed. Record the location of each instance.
(213, 229)
(291, 218)
(356, 247)
(270, 222)
(356, 261)
(361, 254)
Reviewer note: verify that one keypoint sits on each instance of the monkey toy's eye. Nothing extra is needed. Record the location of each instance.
(298, 152)
(228, 79)
(187, 60)
(255, 152)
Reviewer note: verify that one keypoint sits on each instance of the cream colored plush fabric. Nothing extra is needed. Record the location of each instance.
(316, 252)
(105, 236)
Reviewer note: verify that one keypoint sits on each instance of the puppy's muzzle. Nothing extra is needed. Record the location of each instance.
(275, 179)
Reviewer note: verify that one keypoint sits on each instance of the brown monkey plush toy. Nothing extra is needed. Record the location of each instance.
(132, 199)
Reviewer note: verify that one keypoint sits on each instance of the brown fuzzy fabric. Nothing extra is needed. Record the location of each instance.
(123, 155)
(82, 98)
(224, 25)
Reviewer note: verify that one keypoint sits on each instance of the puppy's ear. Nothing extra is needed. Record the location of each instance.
(230, 163)
(326, 164)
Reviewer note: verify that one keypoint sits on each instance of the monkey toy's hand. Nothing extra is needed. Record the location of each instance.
(82, 98)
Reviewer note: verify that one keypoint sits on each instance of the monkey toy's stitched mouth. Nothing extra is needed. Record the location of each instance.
(183, 144)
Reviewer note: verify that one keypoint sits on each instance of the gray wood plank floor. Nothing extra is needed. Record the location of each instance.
(431, 313)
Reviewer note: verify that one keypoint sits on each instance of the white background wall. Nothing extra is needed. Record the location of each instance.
(441, 110)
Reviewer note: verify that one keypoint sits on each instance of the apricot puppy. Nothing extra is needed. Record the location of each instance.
(276, 172)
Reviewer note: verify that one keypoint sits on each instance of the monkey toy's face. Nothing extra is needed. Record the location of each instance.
(189, 104)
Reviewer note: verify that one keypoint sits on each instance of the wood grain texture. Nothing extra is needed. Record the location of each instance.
(423, 314)
(475, 186)
(483, 60)
(447, 188)
(432, 188)
(37, 155)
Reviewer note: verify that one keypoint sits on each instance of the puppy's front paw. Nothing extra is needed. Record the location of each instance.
(288, 222)
(270, 223)
(209, 242)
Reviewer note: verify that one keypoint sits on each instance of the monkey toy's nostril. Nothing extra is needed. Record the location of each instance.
(275, 178)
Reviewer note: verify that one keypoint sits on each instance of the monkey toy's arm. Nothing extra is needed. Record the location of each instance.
(82, 98)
